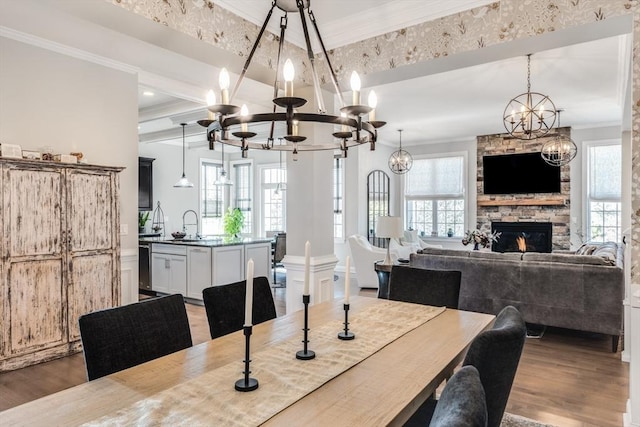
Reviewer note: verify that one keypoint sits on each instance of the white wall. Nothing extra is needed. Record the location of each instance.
(50, 99)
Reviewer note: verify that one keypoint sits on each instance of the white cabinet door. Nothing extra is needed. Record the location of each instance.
(198, 271)
(261, 255)
(160, 272)
(228, 264)
(178, 277)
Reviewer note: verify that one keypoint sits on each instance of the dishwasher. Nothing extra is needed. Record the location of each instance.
(144, 267)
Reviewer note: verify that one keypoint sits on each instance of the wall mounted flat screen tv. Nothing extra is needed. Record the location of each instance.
(519, 173)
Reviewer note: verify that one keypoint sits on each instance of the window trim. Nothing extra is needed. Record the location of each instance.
(233, 189)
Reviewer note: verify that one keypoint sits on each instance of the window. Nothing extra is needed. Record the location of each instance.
(211, 198)
(604, 169)
(378, 183)
(338, 198)
(243, 191)
(273, 181)
(434, 195)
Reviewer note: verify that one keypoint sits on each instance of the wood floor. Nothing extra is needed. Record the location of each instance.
(565, 378)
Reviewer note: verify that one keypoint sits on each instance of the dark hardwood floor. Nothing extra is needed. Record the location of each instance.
(565, 378)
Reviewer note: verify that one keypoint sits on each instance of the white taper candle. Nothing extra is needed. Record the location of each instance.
(347, 280)
(248, 305)
(307, 261)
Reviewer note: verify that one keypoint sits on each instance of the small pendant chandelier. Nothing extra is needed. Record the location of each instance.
(529, 115)
(560, 150)
(400, 161)
(183, 182)
(280, 188)
(223, 180)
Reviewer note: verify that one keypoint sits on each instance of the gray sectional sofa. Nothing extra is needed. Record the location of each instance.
(580, 290)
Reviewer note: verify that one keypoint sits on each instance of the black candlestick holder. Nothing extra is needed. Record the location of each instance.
(247, 383)
(305, 354)
(346, 334)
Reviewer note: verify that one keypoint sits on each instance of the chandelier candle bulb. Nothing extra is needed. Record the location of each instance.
(295, 128)
(244, 112)
(373, 103)
(248, 305)
(355, 87)
(347, 279)
(289, 74)
(211, 100)
(306, 268)
(344, 128)
(224, 85)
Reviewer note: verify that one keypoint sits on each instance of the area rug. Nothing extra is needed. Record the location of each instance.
(510, 420)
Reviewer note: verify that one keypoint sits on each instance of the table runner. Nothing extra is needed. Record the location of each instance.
(210, 399)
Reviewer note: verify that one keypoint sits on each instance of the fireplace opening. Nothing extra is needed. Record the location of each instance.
(522, 237)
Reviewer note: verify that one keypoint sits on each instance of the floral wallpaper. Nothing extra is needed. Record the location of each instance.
(498, 22)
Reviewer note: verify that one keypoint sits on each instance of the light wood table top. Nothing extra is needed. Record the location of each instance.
(384, 389)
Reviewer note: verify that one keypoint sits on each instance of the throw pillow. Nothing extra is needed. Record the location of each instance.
(586, 249)
(608, 251)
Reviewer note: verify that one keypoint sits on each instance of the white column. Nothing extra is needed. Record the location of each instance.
(310, 215)
(632, 416)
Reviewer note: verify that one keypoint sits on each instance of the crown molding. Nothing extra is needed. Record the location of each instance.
(66, 50)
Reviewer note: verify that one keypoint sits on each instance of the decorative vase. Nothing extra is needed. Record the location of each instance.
(476, 246)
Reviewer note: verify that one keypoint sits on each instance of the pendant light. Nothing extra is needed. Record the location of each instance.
(280, 187)
(223, 180)
(183, 182)
(560, 150)
(400, 161)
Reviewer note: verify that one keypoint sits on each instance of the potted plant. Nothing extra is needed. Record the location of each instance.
(233, 221)
(143, 217)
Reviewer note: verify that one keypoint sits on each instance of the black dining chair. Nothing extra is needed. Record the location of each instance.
(121, 337)
(424, 286)
(495, 354)
(462, 402)
(279, 251)
(224, 305)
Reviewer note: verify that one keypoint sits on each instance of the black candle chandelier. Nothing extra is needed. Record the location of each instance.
(224, 116)
(529, 115)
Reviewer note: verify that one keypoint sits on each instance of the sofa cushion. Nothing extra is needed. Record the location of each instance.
(564, 258)
(607, 251)
(586, 249)
(506, 256)
(441, 251)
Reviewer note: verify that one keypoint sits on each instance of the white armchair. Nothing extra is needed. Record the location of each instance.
(364, 255)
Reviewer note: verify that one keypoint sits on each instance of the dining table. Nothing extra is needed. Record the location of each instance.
(400, 354)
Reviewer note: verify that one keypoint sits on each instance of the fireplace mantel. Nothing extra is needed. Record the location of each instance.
(524, 202)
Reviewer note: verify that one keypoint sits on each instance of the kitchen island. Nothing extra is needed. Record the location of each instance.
(187, 266)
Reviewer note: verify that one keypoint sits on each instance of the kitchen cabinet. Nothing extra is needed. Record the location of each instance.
(261, 255)
(169, 268)
(60, 255)
(199, 271)
(228, 264)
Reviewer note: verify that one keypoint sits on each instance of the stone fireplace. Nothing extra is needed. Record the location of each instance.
(522, 236)
(552, 209)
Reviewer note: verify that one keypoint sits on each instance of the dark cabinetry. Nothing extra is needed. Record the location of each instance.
(145, 183)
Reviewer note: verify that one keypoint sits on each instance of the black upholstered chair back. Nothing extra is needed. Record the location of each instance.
(423, 286)
(225, 305)
(121, 337)
(462, 402)
(496, 354)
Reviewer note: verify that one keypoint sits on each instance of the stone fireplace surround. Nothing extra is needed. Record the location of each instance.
(553, 208)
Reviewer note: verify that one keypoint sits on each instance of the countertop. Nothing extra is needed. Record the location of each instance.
(209, 241)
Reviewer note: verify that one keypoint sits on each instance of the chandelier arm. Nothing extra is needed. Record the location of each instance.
(283, 28)
(316, 81)
(253, 50)
(332, 73)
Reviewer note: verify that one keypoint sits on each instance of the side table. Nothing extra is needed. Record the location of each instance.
(383, 271)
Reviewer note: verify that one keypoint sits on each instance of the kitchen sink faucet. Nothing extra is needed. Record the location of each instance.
(184, 225)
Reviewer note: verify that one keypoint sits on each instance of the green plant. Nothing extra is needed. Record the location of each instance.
(143, 217)
(233, 221)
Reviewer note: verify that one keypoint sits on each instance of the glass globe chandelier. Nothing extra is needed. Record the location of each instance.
(400, 161)
(529, 115)
(560, 150)
(224, 118)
